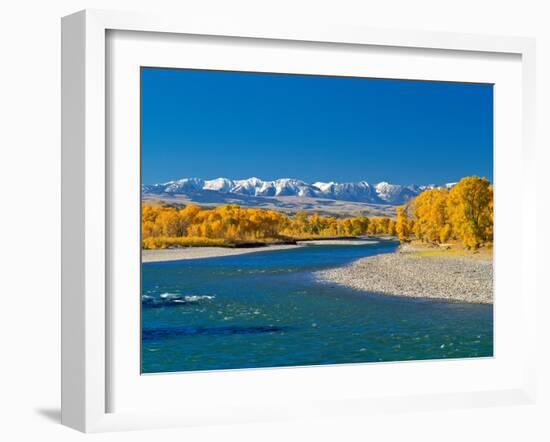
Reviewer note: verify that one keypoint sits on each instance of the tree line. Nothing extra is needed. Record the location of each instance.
(192, 225)
(463, 213)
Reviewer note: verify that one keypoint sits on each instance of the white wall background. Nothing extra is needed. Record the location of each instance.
(30, 220)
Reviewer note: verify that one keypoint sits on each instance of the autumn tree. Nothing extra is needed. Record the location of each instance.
(470, 210)
(430, 214)
(402, 225)
(464, 213)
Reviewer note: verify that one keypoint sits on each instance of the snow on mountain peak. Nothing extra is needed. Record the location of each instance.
(381, 193)
(220, 184)
(325, 187)
(184, 184)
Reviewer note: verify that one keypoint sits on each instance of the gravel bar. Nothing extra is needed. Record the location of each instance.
(160, 255)
(403, 273)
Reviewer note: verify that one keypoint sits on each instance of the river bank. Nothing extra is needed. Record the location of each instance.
(419, 273)
(178, 253)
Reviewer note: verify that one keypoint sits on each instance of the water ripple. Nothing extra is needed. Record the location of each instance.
(167, 332)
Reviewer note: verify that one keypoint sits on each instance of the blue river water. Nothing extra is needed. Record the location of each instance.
(264, 309)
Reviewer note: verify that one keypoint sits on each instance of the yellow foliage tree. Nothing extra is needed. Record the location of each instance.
(430, 214)
(402, 225)
(464, 213)
(470, 211)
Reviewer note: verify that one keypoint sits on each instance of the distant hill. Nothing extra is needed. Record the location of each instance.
(288, 194)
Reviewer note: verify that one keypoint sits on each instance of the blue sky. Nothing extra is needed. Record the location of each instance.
(210, 124)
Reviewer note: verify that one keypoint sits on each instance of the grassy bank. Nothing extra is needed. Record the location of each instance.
(166, 242)
(418, 249)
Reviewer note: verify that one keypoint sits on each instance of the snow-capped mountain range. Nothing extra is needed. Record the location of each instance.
(362, 191)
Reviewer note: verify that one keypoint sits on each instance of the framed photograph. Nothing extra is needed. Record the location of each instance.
(263, 222)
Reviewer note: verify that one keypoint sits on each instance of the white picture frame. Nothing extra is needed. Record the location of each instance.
(86, 317)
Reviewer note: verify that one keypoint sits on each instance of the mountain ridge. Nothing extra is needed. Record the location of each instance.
(383, 193)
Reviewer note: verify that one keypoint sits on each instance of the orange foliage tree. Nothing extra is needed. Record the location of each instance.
(463, 213)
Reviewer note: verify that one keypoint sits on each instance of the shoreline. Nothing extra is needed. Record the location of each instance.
(185, 253)
(408, 274)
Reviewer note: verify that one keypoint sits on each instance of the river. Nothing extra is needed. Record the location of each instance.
(265, 309)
